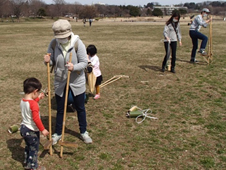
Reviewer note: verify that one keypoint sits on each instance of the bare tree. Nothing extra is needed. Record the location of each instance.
(51, 11)
(88, 12)
(76, 9)
(72, 10)
(2, 7)
(16, 6)
(35, 6)
(59, 6)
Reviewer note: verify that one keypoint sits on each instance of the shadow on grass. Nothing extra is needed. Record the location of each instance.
(145, 67)
(188, 61)
(55, 151)
(14, 145)
(45, 120)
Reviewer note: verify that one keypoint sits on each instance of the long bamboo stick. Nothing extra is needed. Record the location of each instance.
(211, 39)
(50, 115)
(107, 81)
(65, 108)
(111, 80)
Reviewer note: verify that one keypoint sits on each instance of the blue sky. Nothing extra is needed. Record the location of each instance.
(128, 2)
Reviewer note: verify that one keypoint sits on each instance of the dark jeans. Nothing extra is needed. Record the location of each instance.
(195, 35)
(79, 105)
(31, 139)
(173, 46)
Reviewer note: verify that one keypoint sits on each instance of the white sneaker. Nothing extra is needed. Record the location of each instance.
(55, 138)
(86, 138)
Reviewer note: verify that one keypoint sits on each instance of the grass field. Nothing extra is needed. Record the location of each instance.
(190, 132)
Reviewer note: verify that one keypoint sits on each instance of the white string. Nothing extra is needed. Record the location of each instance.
(145, 114)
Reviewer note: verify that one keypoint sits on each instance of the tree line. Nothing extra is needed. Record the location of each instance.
(59, 8)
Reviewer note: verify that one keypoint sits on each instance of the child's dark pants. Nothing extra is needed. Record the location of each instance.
(31, 139)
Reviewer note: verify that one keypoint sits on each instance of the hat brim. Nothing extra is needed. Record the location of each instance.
(65, 35)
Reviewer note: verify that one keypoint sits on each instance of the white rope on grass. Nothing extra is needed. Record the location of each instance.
(145, 114)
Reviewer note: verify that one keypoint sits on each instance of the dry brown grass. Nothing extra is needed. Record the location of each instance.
(190, 105)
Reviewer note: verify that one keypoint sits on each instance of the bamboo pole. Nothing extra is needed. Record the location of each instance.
(211, 42)
(65, 108)
(111, 80)
(209, 57)
(50, 115)
(107, 81)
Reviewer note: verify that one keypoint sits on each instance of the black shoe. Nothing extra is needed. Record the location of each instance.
(163, 70)
(194, 61)
(173, 70)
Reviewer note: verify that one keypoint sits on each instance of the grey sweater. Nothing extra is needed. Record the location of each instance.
(79, 59)
(171, 33)
(197, 23)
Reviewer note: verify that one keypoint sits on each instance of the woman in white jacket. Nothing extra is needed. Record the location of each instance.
(171, 34)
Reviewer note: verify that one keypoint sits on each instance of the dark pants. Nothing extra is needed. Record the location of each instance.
(195, 35)
(99, 80)
(31, 139)
(173, 46)
(79, 105)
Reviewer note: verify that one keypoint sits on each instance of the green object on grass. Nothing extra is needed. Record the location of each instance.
(13, 129)
(135, 113)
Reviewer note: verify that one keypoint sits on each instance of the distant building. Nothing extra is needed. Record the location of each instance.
(99, 3)
(167, 10)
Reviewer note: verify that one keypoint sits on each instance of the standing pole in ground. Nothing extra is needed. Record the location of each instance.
(209, 57)
(210, 41)
(65, 107)
(50, 115)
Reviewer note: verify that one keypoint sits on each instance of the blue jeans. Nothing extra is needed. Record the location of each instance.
(79, 105)
(195, 35)
(31, 139)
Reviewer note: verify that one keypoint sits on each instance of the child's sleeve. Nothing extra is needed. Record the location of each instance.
(36, 116)
(37, 99)
(95, 62)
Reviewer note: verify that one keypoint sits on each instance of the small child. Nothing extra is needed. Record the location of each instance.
(93, 58)
(31, 123)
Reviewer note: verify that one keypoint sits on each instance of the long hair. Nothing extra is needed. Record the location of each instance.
(175, 14)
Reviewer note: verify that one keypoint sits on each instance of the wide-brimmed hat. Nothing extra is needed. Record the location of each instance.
(205, 10)
(61, 28)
